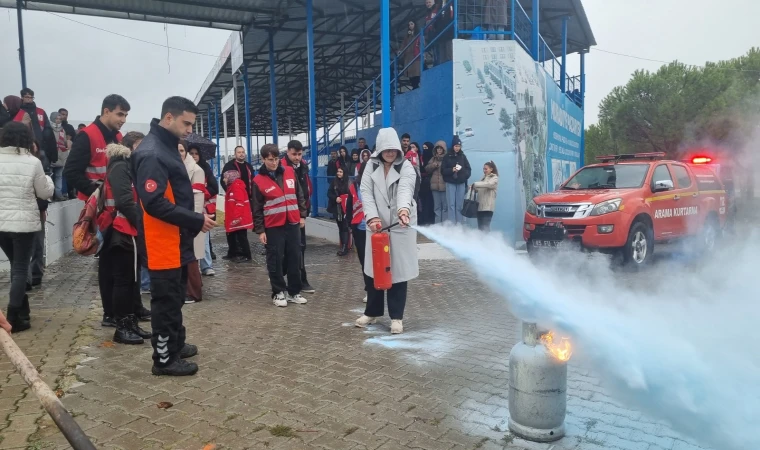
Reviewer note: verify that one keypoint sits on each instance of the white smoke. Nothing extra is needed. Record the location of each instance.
(676, 342)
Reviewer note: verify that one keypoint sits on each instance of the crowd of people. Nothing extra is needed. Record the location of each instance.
(156, 207)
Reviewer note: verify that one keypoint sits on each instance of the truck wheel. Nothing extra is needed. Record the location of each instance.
(709, 236)
(639, 246)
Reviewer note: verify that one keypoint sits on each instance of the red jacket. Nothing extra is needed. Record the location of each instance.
(237, 208)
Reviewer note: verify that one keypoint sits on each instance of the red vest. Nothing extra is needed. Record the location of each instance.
(96, 171)
(40, 116)
(358, 209)
(281, 205)
(111, 217)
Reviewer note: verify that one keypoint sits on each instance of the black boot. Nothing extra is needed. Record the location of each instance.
(188, 351)
(343, 244)
(124, 333)
(108, 321)
(177, 368)
(143, 315)
(137, 330)
(25, 312)
(14, 318)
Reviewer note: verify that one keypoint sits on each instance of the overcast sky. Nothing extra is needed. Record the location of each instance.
(74, 66)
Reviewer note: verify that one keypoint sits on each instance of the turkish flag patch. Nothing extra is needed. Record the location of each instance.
(150, 186)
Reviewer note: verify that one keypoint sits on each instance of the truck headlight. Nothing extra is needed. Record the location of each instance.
(532, 208)
(606, 207)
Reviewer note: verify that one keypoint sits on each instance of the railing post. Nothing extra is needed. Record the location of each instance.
(535, 34)
(563, 68)
(247, 100)
(273, 87)
(216, 127)
(422, 52)
(583, 78)
(512, 19)
(374, 101)
(312, 109)
(455, 10)
(21, 51)
(385, 60)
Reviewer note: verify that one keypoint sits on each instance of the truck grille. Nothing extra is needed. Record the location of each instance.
(557, 211)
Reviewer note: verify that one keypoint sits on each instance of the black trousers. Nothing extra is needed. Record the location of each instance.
(37, 264)
(360, 240)
(304, 280)
(375, 300)
(284, 251)
(18, 248)
(241, 245)
(119, 283)
(484, 220)
(168, 289)
(232, 245)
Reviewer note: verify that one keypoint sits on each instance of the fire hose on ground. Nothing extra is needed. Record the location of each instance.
(51, 403)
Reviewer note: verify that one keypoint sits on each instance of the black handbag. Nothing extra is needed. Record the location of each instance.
(470, 205)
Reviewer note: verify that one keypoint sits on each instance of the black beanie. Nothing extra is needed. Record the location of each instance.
(456, 141)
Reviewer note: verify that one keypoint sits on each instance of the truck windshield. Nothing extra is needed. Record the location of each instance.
(617, 176)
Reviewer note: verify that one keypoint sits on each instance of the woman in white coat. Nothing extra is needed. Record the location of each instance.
(22, 182)
(387, 190)
(198, 180)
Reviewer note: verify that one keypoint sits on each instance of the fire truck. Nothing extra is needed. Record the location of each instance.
(626, 204)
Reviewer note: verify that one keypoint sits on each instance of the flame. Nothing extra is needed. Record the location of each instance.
(562, 351)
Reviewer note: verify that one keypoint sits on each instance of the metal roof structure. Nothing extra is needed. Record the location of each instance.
(346, 46)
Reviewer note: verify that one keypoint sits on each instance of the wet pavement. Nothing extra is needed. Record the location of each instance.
(301, 376)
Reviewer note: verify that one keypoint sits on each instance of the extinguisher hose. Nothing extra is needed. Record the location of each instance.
(389, 227)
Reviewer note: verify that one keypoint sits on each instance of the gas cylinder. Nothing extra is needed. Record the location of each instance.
(537, 389)
(381, 261)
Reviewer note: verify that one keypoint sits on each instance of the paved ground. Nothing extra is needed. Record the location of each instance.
(301, 376)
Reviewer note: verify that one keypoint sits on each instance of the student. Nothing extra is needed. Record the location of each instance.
(279, 213)
(238, 217)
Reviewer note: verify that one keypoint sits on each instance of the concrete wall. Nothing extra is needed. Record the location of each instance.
(61, 219)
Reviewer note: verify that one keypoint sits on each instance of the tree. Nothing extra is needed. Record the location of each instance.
(481, 77)
(506, 120)
(680, 105)
(467, 66)
(459, 118)
(489, 92)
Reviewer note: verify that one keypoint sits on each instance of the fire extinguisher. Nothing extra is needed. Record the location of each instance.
(381, 259)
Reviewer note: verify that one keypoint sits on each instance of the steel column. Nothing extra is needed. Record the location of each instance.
(312, 107)
(563, 69)
(455, 8)
(273, 87)
(583, 105)
(209, 121)
(247, 102)
(535, 40)
(356, 116)
(216, 126)
(342, 116)
(21, 51)
(325, 133)
(385, 60)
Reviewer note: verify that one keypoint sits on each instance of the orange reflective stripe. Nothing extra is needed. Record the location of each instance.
(162, 241)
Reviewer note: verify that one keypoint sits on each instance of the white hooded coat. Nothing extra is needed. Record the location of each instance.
(197, 176)
(22, 182)
(382, 197)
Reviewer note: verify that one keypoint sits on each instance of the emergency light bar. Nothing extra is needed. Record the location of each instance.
(701, 160)
(629, 156)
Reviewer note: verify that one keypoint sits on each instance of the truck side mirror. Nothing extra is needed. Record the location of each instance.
(663, 185)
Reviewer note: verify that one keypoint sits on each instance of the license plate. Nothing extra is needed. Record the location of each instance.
(554, 224)
(548, 244)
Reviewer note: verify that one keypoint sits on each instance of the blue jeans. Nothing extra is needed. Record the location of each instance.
(455, 197)
(206, 261)
(144, 279)
(439, 206)
(58, 181)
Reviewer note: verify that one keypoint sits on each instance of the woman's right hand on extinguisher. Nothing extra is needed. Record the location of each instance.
(374, 225)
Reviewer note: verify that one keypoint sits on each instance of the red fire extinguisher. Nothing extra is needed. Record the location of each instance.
(381, 259)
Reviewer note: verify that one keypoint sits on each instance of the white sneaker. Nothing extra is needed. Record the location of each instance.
(397, 327)
(280, 300)
(365, 298)
(209, 273)
(297, 299)
(363, 321)
(189, 301)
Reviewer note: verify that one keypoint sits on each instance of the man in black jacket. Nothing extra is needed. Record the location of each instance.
(169, 224)
(294, 159)
(86, 165)
(63, 113)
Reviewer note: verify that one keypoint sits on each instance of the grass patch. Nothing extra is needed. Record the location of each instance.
(350, 431)
(482, 441)
(232, 416)
(410, 408)
(496, 429)
(507, 439)
(591, 423)
(258, 428)
(282, 431)
(594, 441)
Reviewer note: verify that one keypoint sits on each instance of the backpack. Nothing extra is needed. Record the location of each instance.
(417, 181)
(86, 236)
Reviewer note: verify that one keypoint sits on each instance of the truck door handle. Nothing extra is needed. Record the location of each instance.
(676, 197)
(694, 194)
